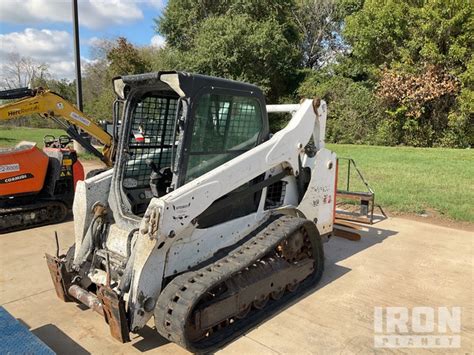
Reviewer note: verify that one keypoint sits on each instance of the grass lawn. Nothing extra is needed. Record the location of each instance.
(11, 136)
(409, 179)
(404, 179)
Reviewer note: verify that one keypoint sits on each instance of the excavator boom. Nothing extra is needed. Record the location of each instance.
(51, 105)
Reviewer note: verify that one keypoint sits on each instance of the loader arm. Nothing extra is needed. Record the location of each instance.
(51, 105)
(176, 212)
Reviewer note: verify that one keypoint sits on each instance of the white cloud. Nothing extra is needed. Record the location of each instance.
(92, 13)
(92, 41)
(38, 44)
(54, 48)
(158, 41)
(159, 4)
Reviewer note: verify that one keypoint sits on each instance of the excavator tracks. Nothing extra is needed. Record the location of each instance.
(39, 214)
(204, 310)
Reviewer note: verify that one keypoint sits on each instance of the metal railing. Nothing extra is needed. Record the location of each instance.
(366, 198)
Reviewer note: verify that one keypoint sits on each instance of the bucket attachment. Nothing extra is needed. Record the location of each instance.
(61, 279)
(114, 313)
(106, 302)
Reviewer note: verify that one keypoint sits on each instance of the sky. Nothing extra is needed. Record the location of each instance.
(42, 29)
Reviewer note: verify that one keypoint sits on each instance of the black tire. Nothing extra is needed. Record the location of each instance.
(319, 259)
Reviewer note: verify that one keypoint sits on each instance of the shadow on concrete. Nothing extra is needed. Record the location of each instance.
(151, 340)
(58, 341)
(338, 249)
(335, 250)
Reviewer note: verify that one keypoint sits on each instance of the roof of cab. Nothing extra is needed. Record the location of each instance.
(185, 84)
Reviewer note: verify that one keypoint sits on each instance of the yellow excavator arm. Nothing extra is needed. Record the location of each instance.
(51, 105)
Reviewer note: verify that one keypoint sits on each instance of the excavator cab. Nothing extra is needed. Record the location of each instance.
(177, 127)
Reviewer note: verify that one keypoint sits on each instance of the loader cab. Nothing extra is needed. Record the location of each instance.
(178, 126)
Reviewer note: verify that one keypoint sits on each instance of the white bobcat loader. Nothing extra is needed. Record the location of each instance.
(205, 223)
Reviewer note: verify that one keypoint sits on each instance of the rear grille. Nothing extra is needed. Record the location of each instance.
(275, 195)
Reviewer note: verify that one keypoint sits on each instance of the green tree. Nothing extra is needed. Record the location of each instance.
(415, 40)
(253, 41)
(354, 113)
(125, 59)
(112, 58)
(243, 49)
(181, 19)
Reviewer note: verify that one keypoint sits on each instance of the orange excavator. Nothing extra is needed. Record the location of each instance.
(37, 186)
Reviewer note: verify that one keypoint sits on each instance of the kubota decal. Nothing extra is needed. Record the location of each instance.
(16, 178)
(9, 168)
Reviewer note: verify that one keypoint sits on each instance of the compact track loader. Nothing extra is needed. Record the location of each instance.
(206, 223)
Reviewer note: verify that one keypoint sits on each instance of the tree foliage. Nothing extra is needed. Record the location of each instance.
(254, 41)
(393, 72)
(112, 58)
(354, 112)
(18, 71)
(416, 92)
(125, 59)
(417, 54)
(319, 23)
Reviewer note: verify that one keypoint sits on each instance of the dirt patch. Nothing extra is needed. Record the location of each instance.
(433, 217)
(428, 216)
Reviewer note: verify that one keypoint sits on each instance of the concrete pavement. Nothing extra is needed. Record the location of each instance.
(397, 263)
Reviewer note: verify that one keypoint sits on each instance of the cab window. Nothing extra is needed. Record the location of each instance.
(225, 126)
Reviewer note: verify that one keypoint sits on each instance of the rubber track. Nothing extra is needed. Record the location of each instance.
(184, 292)
(5, 213)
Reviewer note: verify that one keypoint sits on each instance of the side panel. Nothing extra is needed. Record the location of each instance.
(88, 192)
(318, 202)
(203, 243)
(22, 170)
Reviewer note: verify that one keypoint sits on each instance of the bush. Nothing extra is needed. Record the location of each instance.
(354, 113)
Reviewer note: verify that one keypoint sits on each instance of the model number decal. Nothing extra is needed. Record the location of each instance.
(9, 168)
(16, 178)
(80, 119)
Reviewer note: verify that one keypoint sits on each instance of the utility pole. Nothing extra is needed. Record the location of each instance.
(77, 55)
